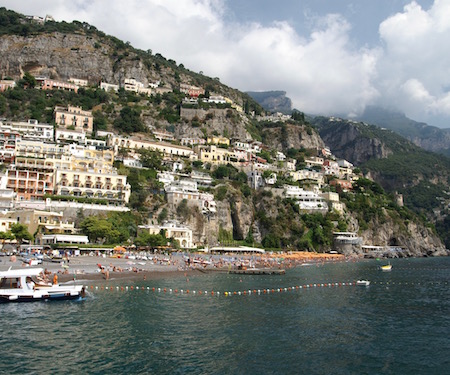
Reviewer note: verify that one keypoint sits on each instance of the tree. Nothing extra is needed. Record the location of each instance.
(99, 230)
(20, 233)
(183, 210)
(27, 81)
(153, 240)
(129, 120)
(5, 236)
(150, 158)
(100, 121)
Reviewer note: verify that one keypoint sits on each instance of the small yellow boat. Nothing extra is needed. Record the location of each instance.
(386, 268)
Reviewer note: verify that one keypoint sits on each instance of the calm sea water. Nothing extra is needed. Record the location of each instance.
(398, 325)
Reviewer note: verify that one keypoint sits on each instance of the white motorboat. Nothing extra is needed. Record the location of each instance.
(22, 285)
(363, 282)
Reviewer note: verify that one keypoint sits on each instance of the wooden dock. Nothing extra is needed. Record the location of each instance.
(258, 271)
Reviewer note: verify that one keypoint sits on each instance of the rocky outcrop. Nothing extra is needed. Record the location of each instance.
(412, 239)
(213, 121)
(292, 136)
(347, 140)
(61, 56)
(234, 215)
(415, 239)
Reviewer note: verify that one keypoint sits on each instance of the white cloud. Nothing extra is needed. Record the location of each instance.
(416, 62)
(324, 72)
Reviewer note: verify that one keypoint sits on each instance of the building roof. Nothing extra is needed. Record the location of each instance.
(238, 249)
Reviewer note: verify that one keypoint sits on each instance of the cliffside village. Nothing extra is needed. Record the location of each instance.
(49, 167)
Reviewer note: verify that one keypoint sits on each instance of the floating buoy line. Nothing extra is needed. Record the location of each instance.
(246, 292)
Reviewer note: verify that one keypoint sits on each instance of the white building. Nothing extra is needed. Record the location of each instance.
(78, 81)
(255, 179)
(307, 200)
(208, 203)
(216, 99)
(308, 175)
(182, 189)
(30, 129)
(166, 178)
(132, 163)
(66, 135)
(172, 229)
(131, 84)
(202, 179)
(193, 141)
(331, 168)
(47, 239)
(272, 179)
(134, 144)
(281, 156)
(109, 86)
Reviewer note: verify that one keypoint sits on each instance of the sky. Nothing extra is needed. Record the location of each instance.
(330, 56)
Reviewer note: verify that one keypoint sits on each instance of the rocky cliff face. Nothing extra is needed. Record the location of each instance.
(416, 239)
(61, 56)
(234, 216)
(292, 136)
(213, 121)
(347, 141)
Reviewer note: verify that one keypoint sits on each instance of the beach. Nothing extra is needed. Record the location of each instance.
(102, 267)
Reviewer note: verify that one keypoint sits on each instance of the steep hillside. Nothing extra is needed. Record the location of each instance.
(397, 164)
(428, 137)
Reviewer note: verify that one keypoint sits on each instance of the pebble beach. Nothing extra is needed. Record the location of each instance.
(100, 267)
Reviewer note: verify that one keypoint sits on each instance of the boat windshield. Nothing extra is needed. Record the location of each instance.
(10, 283)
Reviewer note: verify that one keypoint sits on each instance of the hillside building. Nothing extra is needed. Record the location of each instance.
(306, 200)
(30, 129)
(172, 229)
(51, 84)
(131, 143)
(75, 118)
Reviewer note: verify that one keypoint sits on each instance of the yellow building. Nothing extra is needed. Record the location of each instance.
(215, 155)
(218, 141)
(43, 168)
(42, 221)
(167, 149)
(74, 116)
(91, 184)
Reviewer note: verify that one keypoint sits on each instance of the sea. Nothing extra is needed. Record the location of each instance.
(312, 320)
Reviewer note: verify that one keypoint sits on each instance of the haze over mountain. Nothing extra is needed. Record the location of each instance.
(273, 101)
(428, 137)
